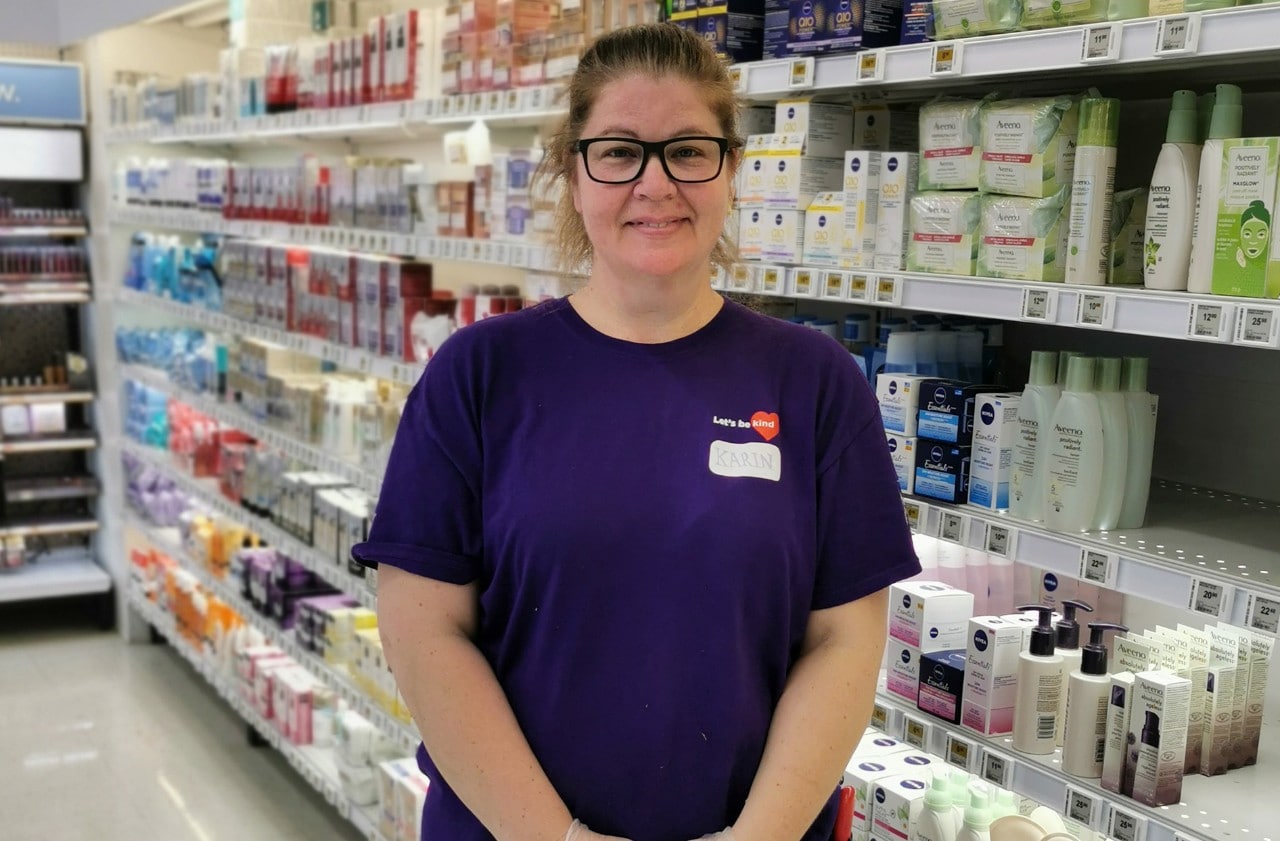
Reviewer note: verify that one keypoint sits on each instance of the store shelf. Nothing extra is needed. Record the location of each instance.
(231, 415)
(386, 121)
(49, 488)
(52, 443)
(206, 492)
(47, 231)
(25, 279)
(1133, 310)
(405, 733)
(1215, 553)
(315, 765)
(13, 398)
(43, 526)
(54, 576)
(517, 255)
(1213, 39)
(1239, 806)
(44, 293)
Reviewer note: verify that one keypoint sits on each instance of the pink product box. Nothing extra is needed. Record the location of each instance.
(264, 685)
(294, 691)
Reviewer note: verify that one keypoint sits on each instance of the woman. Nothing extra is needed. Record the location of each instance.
(634, 543)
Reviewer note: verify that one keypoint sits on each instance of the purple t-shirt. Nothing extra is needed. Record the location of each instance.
(650, 527)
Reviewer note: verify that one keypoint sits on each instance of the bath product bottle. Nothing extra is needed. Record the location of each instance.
(1127, 9)
(1088, 690)
(959, 786)
(977, 820)
(1073, 467)
(1092, 189)
(1026, 474)
(1228, 114)
(1171, 203)
(1040, 678)
(1141, 408)
(1204, 116)
(1067, 630)
(1006, 803)
(1115, 443)
(901, 354)
(937, 821)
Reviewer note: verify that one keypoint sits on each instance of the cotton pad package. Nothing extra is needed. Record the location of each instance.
(944, 227)
(1028, 146)
(1024, 239)
(950, 144)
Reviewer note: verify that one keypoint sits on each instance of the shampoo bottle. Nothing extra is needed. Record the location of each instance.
(1067, 631)
(1073, 470)
(959, 786)
(977, 820)
(1092, 189)
(1035, 713)
(1171, 203)
(1088, 690)
(1035, 412)
(1115, 443)
(1228, 115)
(937, 821)
(1140, 408)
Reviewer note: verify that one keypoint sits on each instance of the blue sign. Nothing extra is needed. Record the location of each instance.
(38, 92)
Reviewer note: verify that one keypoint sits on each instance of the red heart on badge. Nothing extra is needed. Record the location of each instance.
(766, 423)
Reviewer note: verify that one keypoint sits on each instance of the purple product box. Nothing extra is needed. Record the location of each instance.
(825, 26)
(917, 22)
(736, 36)
(308, 623)
(881, 23)
(284, 605)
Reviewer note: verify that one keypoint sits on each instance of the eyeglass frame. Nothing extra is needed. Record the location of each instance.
(651, 148)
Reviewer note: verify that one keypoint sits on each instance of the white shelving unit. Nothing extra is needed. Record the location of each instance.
(59, 575)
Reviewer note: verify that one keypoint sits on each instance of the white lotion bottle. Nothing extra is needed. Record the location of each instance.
(1073, 470)
(1141, 408)
(1092, 191)
(1088, 691)
(937, 821)
(977, 820)
(1228, 116)
(1171, 201)
(1035, 712)
(1067, 646)
(1035, 412)
(1115, 442)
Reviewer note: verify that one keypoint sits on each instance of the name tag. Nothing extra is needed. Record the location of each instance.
(752, 461)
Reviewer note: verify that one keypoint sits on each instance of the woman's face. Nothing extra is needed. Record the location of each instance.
(1254, 235)
(652, 227)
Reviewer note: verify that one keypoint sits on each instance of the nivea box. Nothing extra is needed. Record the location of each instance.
(942, 684)
(825, 26)
(896, 804)
(995, 433)
(942, 470)
(991, 675)
(863, 772)
(946, 409)
(896, 394)
(902, 451)
(902, 672)
(929, 615)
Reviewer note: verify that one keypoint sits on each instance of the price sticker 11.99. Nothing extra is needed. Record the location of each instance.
(1101, 43)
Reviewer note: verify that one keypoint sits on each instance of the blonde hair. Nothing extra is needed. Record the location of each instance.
(651, 51)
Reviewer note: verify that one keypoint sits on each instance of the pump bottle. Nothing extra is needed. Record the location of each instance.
(1035, 412)
(1228, 116)
(977, 820)
(1088, 690)
(1171, 203)
(1073, 470)
(1140, 408)
(1067, 631)
(937, 821)
(1115, 443)
(1040, 688)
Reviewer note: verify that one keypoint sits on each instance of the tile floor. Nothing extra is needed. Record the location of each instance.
(108, 741)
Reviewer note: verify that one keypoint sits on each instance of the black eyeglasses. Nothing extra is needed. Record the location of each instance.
(618, 160)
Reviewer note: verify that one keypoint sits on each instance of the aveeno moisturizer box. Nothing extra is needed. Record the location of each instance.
(898, 177)
(1246, 202)
(796, 176)
(1225, 649)
(943, 232)
(929, 615)
(1258, 660)
(896, 394)
(1117, 775)
(902, 451)
(1024, 239)
(1219, 703)
(861, 206)
(950, 144)
(1157, 736)
(991, 675)
(824, 230)
(1198, 652)
(825, 128)
(995, 432)
(1028, 146)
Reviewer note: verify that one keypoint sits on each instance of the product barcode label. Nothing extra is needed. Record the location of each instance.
(1177, 35)
(1039, 304)
(771, 280)
(960, 752)
(1209, 598)
(1211, 322)
(917, 514)
(880, 717)
(870, 66)
(833, 285)
(1101, 43)
(1046, 725)
(888, 292)
(738, 75)
(1096, 310)
(1099, 568)
(803, 282)
(997, 769)
(1126, 826)
(1081, 807)
(1263, 614)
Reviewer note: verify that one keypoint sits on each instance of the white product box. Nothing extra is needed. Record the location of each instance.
(929, 615)
(753, 177)
(896, 394)
(897, 802)
(1132, 654)
(876, 745)
(899, 173)
(1198, 656)
(1157, 734)
(863, 773)
(1178, 650)
(1117, 774)
(1256, 663)
(795, 177)
(877, 127)
(751, 232)
(783, 236)
(1219, 704)
(902, 450)
(1227, 647)
(825, 129)
(995, 433)
(991, 675)
(861, 208)
(824, 230)
(903, 670)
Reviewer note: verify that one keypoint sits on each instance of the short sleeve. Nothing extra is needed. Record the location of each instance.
(864, 542)
(428, 518)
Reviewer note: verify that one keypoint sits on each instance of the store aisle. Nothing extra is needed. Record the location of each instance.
(116, 742)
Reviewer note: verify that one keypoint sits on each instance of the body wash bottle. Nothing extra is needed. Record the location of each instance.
(1088, 691)
(1115, 443)
(1171, 203)
(1073, 471)
(1228, 115)
(1035, 412)
(977, 820)
(1067, 646)
(1035, 712)
(1092, 190)
(1140, 408)
(937, 821)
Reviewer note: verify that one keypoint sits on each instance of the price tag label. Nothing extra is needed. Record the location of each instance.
(880, 717)
(1262, 614)
(960, 752)
(947, 58)
(859, 288)
(1001, 540)
(1258, 326)
(1211, 322)
(870, 67)
(1177, 35)
(915, 733)
(738, 75)
(1126, 826)
(1096, 310)
(1100, 43)
(997, 769)
(802, 282)
(1082, 807)
(1099, 567)
(888, 291)
(1040, 304)
(917, 515)
(800, 74)
(1210, 598)
(833, 284)
(771, 280)
(954, 527)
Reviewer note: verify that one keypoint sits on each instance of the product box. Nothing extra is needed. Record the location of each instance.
(947, 409)
(896, 394)
(899, 172)
(1132, 654)
(754, 174)
(824, 230)
(1227, 647)
(1261, 647)
(825, 129)
(1197, 651)
(902, 666)
(751, 232)
(917, 22)
(863, 772)
(879, 128)
(795, 178)
(942, 470)
(995, 433)
(944, 232)
(896, 805)
(950, 144)
(1028, 146)
(942, 681)
(1219, 705)
(825, 26)
(734, 28)
(1117, 774)
(861, 206)
(991, 675)
(1246, 203)
(783, 236)
(1024, 239)
(929, 615)
(902, 451)
(1157, 736)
